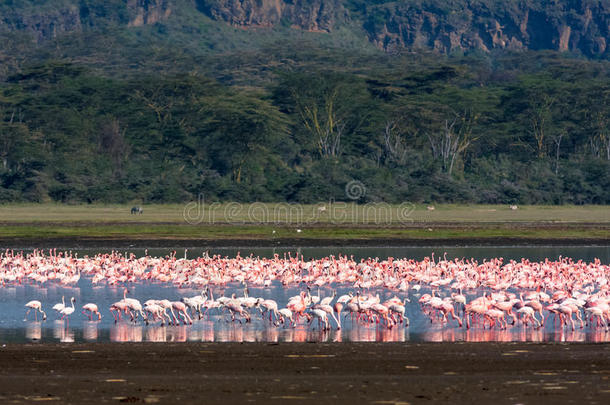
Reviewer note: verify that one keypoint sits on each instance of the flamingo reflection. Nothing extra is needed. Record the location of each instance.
(156, 333)
(122, 332)
(63, 332)
(177, 333)
(90, 332)
(33, 331)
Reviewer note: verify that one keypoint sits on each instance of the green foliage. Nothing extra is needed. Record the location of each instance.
(166, 111)
(69, 134)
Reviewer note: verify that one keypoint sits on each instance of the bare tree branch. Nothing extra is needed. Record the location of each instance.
(453, 140)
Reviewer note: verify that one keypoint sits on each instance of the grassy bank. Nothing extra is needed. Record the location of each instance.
(275, 222)
(283, 213)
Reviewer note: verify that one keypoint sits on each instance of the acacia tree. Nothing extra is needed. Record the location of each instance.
(600, 141)
(331, 112)
(453, 139)
(243, 129)
(322, 120)
(540, 116)
(394, 144)
(325, 125)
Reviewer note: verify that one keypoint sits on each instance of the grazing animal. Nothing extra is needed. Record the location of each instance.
(137, 210)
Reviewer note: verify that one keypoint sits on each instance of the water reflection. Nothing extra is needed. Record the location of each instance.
(177, 333)
(205, 332)
(90, 332)
(123, 332)
(215, 331)
(156, 333)
(33, 331)
(57, 328)
(63, 332)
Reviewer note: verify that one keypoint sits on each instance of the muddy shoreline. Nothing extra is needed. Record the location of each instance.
(371, 373)
(124, 243)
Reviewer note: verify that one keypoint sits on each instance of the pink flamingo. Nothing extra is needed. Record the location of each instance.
(37, 307)
(91, 310)
(180, 308)
(67, 311)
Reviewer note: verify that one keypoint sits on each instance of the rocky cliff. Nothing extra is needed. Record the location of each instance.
(143, 12)
(42, 23)
(310, 15)
(53, 18)
(442, 25)
(581, 26)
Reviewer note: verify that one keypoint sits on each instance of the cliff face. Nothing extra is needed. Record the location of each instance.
(57, 17)
(42, 24)
(310, 15)
(445, 26)
(142, 12)
(580, 26)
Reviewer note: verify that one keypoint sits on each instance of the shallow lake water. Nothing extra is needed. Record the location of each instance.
(215, 326)
(534, 253)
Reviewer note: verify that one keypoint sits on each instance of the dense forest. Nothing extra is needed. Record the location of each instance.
(292, 118)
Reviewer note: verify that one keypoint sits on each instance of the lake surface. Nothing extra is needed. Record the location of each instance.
(534, 253)
(216, 328)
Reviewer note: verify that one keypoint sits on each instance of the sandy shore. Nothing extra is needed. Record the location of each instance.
(371, 373)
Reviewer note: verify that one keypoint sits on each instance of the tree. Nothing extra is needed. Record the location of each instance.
(112, 142)
(600, 141)
(243, 130)
(323, 124)
(395, 142)
(540, 116)
(453, 139)
(331, 112)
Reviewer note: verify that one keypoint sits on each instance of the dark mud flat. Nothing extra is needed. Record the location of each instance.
(144, 243)
(299, 373)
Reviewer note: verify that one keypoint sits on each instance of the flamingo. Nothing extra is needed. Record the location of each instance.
(322, 318)
(399, 308)
(59, 307)
(67, 311)
(119, 306)
(271, 307)
(527, 313)
(329, 311)
(92, 310)
(564, 287)
(37, 307)
(285, 313)
(180, 308)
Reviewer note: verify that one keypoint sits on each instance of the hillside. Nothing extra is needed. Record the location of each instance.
(445, 26)
(161, 100)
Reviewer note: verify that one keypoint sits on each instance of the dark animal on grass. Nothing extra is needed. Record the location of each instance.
(137, 210)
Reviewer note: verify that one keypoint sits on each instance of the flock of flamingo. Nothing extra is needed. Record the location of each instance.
(463, 292)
